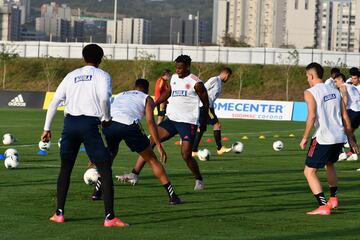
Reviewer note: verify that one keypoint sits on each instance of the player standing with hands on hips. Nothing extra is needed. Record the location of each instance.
(328, 112)
(86, 93)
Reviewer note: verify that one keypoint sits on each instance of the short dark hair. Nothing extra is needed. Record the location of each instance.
(318, 69)
(92, 53)
(166, 72)
(354, 71)
(340, 75)
(183, 59)
(142, 83)
(334, 71)
(226, 69)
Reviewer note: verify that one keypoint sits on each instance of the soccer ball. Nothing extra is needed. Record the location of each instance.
(278, 145)
(204, 155)
(11, 152)
(346, 144)
(237, 147)
(91, 176)
(44, 146)
(11, 162)
(8, 139)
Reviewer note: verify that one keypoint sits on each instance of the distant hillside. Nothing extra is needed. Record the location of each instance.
(158, 11)
(258, 81)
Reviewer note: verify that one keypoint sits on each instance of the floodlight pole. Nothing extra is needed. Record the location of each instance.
(115, 21)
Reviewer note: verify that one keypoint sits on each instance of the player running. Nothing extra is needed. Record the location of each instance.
(351, 99)
(160, 88)
(328, 112)
(126, 126)
(86, 93)
(184, 95)
(213, 87)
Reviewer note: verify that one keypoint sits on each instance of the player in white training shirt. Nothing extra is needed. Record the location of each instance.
(127, 109)
(184, 95)
(328, 113)
(351, 98)
(355, 80)
(352, 71)
(213, 87)
(330, 81)
(86, 93)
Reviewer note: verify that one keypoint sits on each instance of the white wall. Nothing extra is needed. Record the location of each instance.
(211, 54)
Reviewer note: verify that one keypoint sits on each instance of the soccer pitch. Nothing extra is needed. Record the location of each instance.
(258, 194)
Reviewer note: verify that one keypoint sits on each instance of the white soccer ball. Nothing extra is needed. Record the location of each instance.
(237, 147)
(11, 152)
(278, 145)
(91, 176)
(346, 144)
(44, 146)
(204, 155)
(11, 162)
(8, 139)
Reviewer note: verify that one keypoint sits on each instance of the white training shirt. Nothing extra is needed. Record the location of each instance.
(184, 102)
(128, 107)
(353, 98)
(357, 87)
(213, 87)
(328, 124)
(331, 82)
(84, 91)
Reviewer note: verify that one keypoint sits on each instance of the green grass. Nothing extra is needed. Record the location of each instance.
(258, 194)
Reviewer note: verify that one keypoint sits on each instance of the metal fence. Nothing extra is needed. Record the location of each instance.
(208, 54)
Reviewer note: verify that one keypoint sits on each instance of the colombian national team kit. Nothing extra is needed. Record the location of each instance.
(91, 113)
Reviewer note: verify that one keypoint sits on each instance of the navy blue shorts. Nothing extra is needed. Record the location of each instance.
(320, 155)
(133, 135)
(185, 130)
(161, 109)
(82, 129)
(354, 118)
(211, 116)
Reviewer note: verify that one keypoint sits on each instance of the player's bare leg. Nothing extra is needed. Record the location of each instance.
(316, 189)
(186, 149)
(221, 149)
(157, 168)
(332, 181)
(159, 172)
(140, 162)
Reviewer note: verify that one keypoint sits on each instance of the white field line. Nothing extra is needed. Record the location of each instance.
(19, 146)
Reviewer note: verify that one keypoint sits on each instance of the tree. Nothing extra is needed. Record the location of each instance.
(6, 55)
(290, 61)
(229, 41)
(50, 69)
(144, 62)
(203, 68)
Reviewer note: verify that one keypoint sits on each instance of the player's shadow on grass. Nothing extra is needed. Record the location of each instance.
(347, 233)
(29, 183)
(211, 212)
